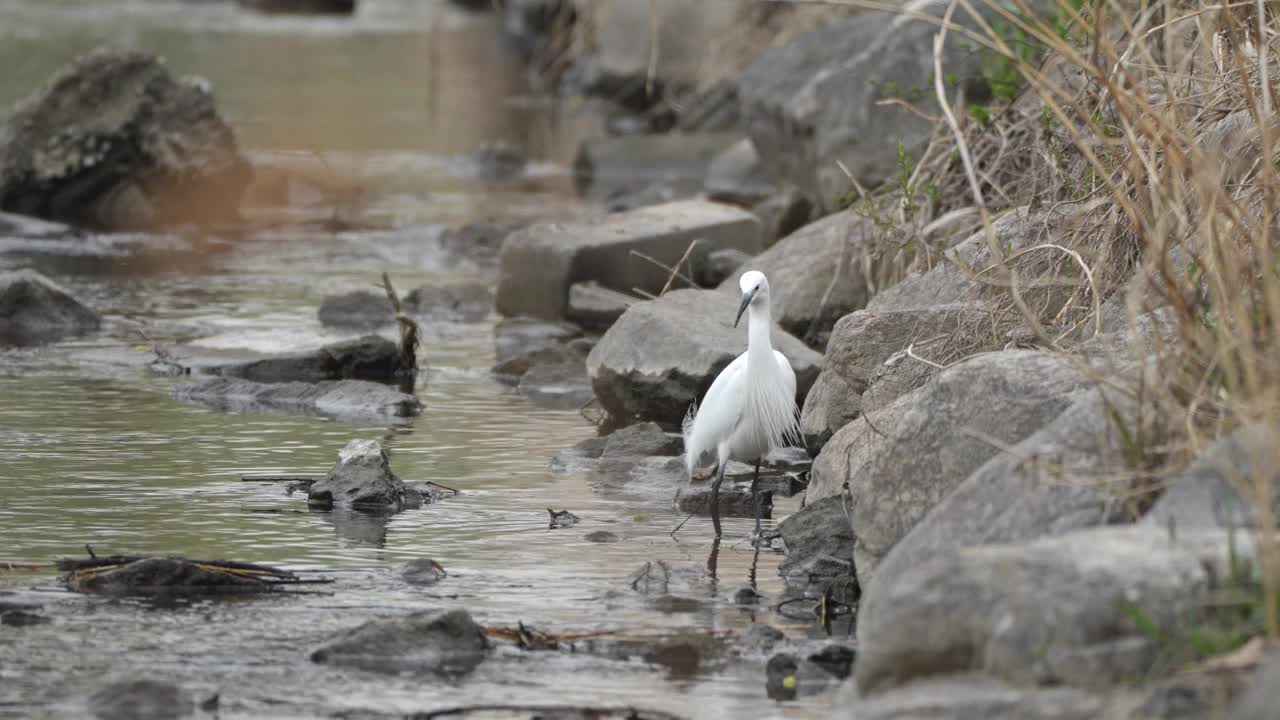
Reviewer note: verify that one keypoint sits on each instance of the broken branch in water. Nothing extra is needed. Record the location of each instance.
(408, 329)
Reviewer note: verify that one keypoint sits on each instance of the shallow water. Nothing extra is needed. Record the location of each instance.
(93, 450)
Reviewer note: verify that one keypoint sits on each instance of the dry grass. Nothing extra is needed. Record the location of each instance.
(1161, 118)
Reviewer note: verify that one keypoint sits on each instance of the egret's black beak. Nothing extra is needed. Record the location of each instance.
(746, 302)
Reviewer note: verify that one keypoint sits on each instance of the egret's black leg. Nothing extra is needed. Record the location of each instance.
(755, 495)
(715, 498)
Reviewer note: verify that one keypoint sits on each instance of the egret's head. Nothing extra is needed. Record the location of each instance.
(755, 291)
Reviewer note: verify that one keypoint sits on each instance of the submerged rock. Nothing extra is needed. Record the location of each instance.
(352, 400)
(33, 309)
(359, 310)
(734, 501)
(423, 571)
(115, 142)
(362, 478)
(540, 263)
(446, 642)
(497, 161)
(477, 242)
(663, 354)
(367, 358)
(163, 577)
(457, 303)
(641, 439)
(559, 386)
(141, 699)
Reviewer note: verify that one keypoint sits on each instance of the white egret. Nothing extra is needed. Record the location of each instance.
(750, 408)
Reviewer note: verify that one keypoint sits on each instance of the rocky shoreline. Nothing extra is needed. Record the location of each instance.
(993, 495)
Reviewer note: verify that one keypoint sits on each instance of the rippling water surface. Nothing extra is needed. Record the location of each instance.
(93, 450)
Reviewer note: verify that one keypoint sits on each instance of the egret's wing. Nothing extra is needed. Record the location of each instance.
(717, 415)
(791, 433)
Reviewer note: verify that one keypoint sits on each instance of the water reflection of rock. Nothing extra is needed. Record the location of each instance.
(359, 528)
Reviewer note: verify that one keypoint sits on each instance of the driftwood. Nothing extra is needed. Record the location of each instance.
(159, 575)
(408, 333)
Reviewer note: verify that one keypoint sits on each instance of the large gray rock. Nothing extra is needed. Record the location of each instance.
(968, 696)
(682, 30)
(1258, 701)
(446, 642)
(361, 479)
(114, 142)
(34, 309)
(348, 400)
(808, 263)
(1047, 484)
(596, 307)
(1055, 611)
(902, 461)
(736, 176)
(541, 262)
(860, 342)
(783, 213)
(663, 354)
(367, 358)
(613, 166)
(1208, 493)
(814, 102)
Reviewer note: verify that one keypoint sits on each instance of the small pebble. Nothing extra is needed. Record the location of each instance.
(600, 536)
(747, 596)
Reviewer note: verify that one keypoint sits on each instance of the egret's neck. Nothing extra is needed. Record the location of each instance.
(759, 346)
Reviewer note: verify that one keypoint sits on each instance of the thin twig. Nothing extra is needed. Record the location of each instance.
(675, 271)
(672, 276)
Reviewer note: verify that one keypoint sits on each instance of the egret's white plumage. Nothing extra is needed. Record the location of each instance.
(750, 409)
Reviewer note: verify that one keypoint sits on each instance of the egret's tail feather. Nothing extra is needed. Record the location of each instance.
(686, 431)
